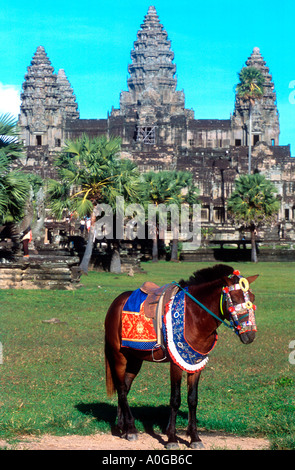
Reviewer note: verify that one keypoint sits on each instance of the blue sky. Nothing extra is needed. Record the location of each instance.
(92, 41)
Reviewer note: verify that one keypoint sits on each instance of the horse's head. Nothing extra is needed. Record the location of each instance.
(239, 306)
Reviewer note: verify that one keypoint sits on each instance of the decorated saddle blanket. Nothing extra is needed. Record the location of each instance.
(138, 331)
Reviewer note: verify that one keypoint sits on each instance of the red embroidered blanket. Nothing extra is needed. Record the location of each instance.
(138, 331)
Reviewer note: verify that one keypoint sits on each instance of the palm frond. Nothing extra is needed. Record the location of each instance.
(251, 85)
(82, 206)
(253, 201)
(10, 143)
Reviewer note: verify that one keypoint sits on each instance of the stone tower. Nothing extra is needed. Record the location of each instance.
(265, 114)
(68, 99)
(47, 101)
(151, 98)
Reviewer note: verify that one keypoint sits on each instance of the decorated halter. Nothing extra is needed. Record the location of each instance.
(244, 311)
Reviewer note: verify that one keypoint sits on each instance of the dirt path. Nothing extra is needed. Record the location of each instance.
(211, 441)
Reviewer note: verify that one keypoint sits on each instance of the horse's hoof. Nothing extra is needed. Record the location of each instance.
(132, 437)
(197, 445)
(172, 446)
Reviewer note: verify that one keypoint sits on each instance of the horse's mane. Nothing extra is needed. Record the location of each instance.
(207, 275)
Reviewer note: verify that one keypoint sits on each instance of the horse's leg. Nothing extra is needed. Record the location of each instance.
(192, 399)
(175, 400)
(132, 368)
(118, 364)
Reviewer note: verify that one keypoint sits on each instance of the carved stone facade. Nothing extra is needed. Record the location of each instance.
(158, 132)
(47, 102)
(265, 117)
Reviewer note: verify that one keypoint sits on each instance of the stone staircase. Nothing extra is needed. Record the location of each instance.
(51, 269)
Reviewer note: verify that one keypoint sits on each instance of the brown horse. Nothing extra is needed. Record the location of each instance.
(214, 296)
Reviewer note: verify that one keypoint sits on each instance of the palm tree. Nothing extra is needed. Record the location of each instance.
(155, 186)
(91, 172)
(183, 191)
(14, 185)
(171, 188)
(252, 204)
(14, 192)
(249, 90)
(10, 145)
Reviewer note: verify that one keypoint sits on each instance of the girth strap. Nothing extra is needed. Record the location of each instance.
(166, 295)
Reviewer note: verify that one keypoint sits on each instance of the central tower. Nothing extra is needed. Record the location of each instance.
(152, 98)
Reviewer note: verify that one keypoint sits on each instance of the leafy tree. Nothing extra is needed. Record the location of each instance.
(250, 89)
(14, 192)
(91, 172)
(10, 145)
(35, 209)
(253, 204)
(171, 188)
(14, 185)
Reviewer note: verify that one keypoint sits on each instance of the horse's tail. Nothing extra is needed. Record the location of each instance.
(112, 340)
(110, 386)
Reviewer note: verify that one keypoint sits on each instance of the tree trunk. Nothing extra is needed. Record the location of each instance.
(88, 251)
(38, 228)
(253, 246)
(250, 138)
(89, 247)
(154, 233)
(174, 248)
(155, 249)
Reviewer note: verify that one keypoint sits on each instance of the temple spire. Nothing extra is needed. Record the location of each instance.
(152, 79)
(265, 113)
(68, 99)
(40, 97)
(47, 101)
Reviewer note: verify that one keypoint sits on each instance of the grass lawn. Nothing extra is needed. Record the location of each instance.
(52, 375)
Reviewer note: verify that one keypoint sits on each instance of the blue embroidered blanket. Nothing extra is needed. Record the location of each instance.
(179, 349)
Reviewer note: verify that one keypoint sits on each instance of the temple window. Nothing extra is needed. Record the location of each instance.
(255, 139)
(218, 214)
(146, 134)
(205, 211)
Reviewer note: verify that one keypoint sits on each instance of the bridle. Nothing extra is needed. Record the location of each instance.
(238, 312)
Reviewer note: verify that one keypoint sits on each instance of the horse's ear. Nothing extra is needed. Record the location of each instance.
(252, 278)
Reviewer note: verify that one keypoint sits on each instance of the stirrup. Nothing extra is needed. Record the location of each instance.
(164, 351)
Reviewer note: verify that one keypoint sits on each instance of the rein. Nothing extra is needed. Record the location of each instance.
(228, 325)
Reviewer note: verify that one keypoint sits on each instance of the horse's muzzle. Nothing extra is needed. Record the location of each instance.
(247, 337)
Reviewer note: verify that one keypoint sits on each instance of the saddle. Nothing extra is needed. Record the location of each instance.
(157, 298)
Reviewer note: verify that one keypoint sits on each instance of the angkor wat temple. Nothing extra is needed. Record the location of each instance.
(158, 132)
